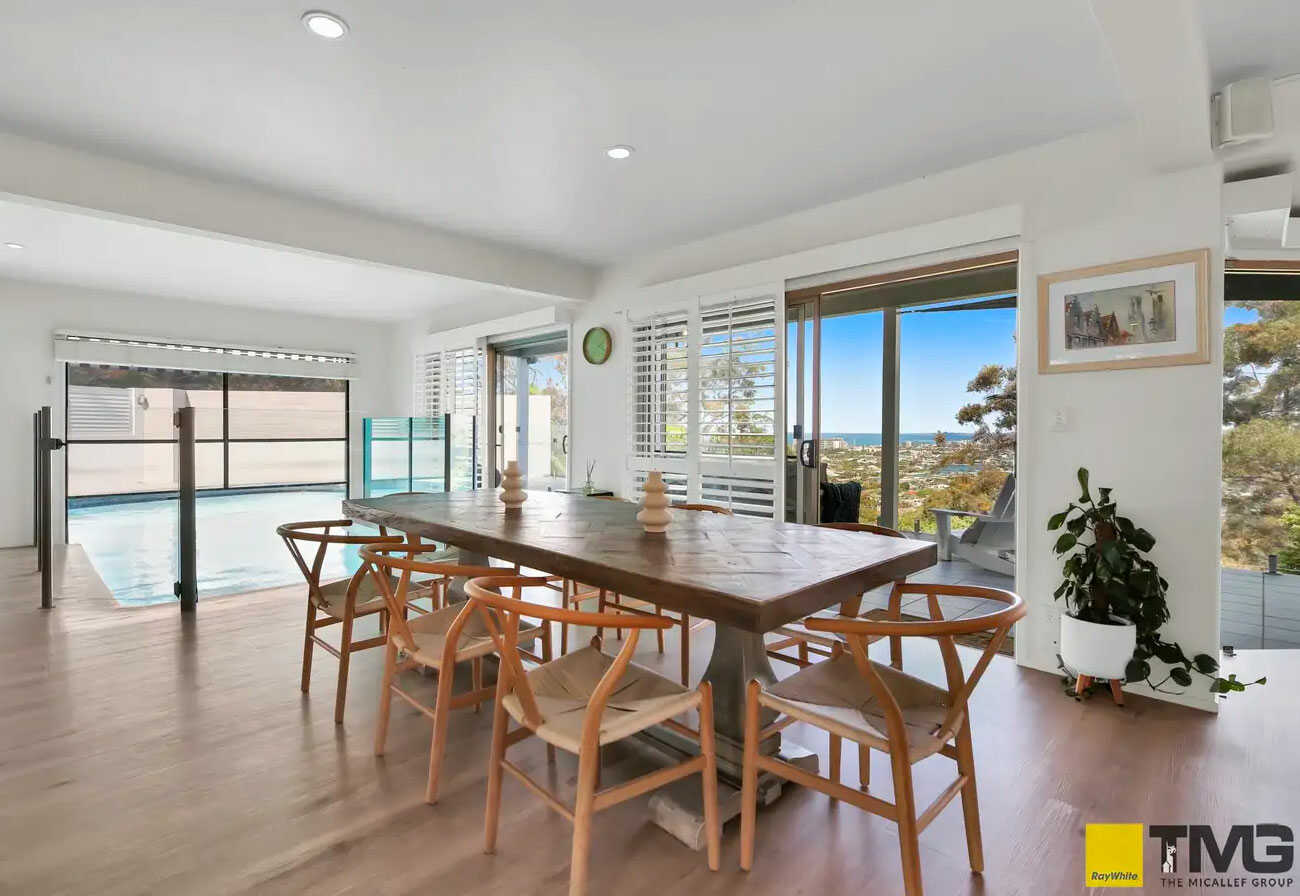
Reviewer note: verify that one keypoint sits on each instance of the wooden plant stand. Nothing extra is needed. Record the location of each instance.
(1085, 681)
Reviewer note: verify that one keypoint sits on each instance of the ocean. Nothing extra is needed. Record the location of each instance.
(864, 439)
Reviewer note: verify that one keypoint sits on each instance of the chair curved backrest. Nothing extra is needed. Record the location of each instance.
(705, 508)
(856, 633)
(391, 567)
(321, 534)
(502, 615)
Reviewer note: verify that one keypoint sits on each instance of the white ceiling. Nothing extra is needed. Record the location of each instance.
(490, 116)
(71, 247)
(1249, 38)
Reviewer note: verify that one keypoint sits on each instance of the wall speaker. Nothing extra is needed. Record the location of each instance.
(1243, 112)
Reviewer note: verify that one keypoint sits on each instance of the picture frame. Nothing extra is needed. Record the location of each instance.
(1147, 312)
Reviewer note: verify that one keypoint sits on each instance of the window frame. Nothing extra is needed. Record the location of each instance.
(225, 441)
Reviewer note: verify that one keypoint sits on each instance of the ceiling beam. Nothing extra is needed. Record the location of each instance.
(1160, 56)
(50, 174)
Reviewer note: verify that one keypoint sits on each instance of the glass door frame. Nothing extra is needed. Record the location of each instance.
(804, 305)
(492, 354)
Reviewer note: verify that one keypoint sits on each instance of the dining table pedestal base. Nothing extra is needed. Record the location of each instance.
(738, 656)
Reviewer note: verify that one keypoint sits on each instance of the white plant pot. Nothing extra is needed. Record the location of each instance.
(1102, 651)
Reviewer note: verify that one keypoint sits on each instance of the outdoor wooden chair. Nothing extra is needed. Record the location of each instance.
(579, 703)
(879, 707)
(437, 641)
(646, 608)
(814, 643)
(335, 603)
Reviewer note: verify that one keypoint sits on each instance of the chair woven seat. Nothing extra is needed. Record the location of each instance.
(333, 597)
(430, 634)
(564, 686)
(834, 696)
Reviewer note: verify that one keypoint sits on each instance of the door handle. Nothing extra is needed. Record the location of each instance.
(807, 452)
(564, 444)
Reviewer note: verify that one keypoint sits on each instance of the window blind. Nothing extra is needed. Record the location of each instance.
(738, 380)
(428, 384)
(660, 386)
(705, 401)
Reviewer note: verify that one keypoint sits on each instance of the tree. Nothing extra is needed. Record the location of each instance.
(1290, 554)
(1261, 364)
(994, 415)
(1261, 448)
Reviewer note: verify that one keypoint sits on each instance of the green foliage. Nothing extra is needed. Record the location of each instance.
(1290, 555)
(1261, 448)
(994, 415)
(1106, 573)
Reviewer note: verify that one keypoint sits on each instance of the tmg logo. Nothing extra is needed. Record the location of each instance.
(1264, 848)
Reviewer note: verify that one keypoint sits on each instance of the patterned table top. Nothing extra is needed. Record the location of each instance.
(750, 573)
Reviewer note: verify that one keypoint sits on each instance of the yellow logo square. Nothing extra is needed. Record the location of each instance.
(1112, 855)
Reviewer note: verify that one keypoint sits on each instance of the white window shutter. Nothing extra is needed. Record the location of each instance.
(428, 384)
(659, 391)
(706, 399)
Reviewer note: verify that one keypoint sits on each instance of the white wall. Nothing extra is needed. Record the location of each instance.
(1153, 435)
(30, 313)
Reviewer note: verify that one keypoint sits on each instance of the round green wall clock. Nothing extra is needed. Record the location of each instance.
(596, 345)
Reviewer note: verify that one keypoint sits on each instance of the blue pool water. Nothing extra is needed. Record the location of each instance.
(133, 544)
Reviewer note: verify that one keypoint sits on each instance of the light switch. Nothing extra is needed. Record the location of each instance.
(1062, 420)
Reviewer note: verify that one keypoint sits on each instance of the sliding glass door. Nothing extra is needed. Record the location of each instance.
(530, 387)
(901, 404)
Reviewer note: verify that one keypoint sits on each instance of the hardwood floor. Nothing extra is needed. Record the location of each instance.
(143, 753)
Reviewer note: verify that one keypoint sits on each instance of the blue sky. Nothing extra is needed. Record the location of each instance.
(940, 352)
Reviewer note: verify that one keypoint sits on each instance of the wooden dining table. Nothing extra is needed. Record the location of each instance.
(747, 575)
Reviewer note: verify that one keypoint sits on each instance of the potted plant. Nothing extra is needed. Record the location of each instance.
(1115, 601)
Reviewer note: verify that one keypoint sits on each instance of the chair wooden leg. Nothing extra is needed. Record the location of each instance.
(864, 767)
(712, 831)
(895, 641)
(908, 836)
(345, 653)
(493, 812)
(570, 588)
(385, 697)
(307, 645)
(659, 611)
(546, 658)
(686, 651)
(803, 653)
(602, 602)
(837, 748)
(970, 807)
(441, 715)
(583, 809)
(476, 678)
(749, 779)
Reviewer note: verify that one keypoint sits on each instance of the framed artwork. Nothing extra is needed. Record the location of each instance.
(1149, 312)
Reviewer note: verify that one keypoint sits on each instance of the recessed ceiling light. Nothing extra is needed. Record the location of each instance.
(13, 245)
(324, 24)
(619, 152)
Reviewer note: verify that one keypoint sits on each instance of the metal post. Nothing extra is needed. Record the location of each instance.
(44, 544)
(1272, 564)
(36, 482)
(186, 588)
(889, 421)
(446, 452)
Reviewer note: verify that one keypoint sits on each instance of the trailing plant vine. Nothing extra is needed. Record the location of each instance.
(1107, 573)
